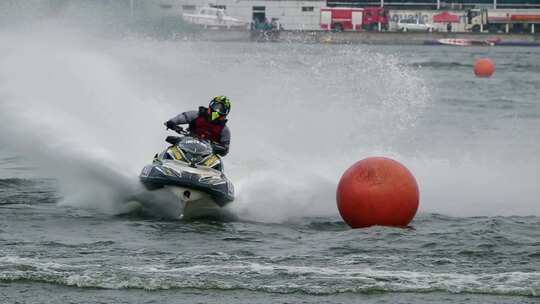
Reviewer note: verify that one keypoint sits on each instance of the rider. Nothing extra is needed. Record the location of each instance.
(209, 123)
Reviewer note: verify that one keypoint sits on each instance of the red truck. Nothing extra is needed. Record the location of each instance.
(354, 19)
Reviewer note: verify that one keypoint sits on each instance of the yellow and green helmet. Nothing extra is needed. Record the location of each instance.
(219, 107)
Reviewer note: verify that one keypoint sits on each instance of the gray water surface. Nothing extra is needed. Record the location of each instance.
(301, 115)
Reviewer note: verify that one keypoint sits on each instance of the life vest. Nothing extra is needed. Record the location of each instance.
(204, 128)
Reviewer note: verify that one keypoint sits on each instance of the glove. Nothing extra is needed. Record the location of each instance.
(219, 149)
(170, 125)
(173, 140)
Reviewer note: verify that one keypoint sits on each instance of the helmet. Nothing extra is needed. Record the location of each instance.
(219, 107)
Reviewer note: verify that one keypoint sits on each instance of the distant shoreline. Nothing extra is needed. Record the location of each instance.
(417, 38)
(376, 38)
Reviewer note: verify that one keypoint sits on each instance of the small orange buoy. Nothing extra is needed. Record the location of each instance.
(377, 191)
(484, 67)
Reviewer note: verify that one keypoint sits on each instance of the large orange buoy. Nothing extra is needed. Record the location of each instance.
(377, 191)
(484, 67)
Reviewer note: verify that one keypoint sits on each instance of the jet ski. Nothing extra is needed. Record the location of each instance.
(192, 171)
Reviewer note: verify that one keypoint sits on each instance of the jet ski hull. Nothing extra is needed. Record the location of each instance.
(186, 180)
(198, 204)
(173, 202)
(219, 190)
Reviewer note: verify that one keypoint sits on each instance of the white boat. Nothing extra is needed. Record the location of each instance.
(468, 42)
(215, 18)
(459, 42)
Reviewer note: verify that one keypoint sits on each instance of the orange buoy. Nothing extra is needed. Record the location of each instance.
(484, 67)
(377, 191)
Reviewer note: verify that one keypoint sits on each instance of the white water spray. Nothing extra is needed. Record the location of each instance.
(89, 110)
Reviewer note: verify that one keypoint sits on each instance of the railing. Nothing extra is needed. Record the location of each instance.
(435, 3)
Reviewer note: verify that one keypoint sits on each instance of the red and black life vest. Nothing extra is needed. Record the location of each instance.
(204, 128)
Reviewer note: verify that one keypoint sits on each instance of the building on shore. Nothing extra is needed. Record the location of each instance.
(438, 4)
(291, 14)
(496, 16)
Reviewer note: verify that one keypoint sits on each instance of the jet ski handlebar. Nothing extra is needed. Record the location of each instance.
(180, 130)
(173, 140)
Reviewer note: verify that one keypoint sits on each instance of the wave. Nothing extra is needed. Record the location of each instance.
(14, 191)
(7, 182)
(269, 278)
(513, 67)
(439, 64)
(337, 225)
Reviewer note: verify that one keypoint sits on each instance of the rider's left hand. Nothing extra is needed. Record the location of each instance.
(170, 125)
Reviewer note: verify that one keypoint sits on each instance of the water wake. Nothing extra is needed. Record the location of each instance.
(88, 109)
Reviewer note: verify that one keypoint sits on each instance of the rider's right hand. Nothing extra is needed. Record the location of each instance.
(170, 125)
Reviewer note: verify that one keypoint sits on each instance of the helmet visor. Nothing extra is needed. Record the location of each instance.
(219, 108)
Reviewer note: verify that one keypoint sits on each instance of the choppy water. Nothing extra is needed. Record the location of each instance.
(46, 248)
(81, 113)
